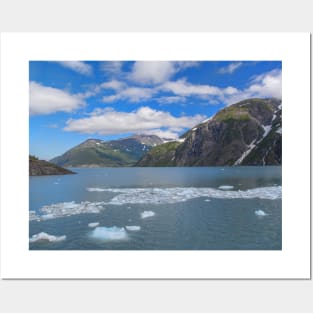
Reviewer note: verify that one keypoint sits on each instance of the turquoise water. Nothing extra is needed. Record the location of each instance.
(230, 208)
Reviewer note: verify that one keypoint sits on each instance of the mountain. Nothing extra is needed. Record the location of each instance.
(40, 167)
(245, 133)
(99, 153)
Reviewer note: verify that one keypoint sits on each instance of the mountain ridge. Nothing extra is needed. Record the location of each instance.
(99, 153)
(244, 133)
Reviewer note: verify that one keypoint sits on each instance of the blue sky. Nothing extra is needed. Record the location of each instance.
(72, 101)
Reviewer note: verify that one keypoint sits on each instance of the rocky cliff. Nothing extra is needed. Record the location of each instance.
(41, 167)
(245, 133)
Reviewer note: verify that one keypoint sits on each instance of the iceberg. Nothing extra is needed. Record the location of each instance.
(93, 225)
(260, 213)
(46, 237)
(109, 233)
(133, 228)
(146, 214)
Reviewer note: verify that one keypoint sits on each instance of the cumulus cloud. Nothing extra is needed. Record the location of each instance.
(144, 119)
(156, 72)
(170, 133)
(111, 67)
(47, 100)
(182, 88)
(266, 85)
(178, 91)
(78, 67)
(231, 68)
(152, 72)
(132, 94)
(114, 85)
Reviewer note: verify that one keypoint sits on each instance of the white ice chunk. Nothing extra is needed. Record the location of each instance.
(146, 214)
(225, 187)
(133, 228)
(46, 237)
(260, 213)
(278, 131)
(109, 233)
(93, 225)
(67, 209)
(95, 189)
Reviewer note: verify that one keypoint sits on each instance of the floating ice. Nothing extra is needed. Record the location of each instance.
(146, 214)
(226, 187)
(93, 224)
(133, 228)
(95, 189)
(67, 209)
(33, 216)
(46, 237)
(174, 195)
(260, 213)
(207, 200)
(109, 233)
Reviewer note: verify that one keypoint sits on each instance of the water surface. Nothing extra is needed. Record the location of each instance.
(202, 208)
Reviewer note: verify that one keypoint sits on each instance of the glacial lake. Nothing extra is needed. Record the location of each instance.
(198, 208)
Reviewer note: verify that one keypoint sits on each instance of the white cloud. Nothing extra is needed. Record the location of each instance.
(152, 72)
(267, 85)
(231, 68)
(106, 122)
(157, 72)
(47, 100)
(182, 88)
(186, 64)
(170, 133)
(113, 84)
(132, 94)
(78, 66)
(111, 67)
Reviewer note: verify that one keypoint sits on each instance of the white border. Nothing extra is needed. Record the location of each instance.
(16, 51)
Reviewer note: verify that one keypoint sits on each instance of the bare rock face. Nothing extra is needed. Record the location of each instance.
(245, 133)
(41, 167)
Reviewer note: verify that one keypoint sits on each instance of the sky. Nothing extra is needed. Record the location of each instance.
(71, 101)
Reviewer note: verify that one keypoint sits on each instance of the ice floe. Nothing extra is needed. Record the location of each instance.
(92, 225)
(133, 228)
(109, 233)
(226, 187)
(146, 214)
(260, 213)
(66, 209)
(95, 189)
(46, 237)
(181, 194)
(33, 216)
